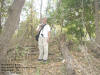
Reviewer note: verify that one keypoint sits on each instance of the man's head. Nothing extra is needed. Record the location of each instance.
(44, 20)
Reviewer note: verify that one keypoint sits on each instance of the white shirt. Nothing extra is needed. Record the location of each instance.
(45, 30)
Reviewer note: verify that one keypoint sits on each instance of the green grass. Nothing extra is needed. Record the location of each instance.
(38, 71)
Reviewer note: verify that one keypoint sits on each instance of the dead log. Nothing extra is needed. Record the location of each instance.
(73, 67)
(67, 56)
(69, 68)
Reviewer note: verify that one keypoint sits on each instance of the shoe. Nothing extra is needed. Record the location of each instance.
(44, 61)
(40, 59)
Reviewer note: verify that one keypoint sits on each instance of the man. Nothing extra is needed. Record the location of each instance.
(43, 41)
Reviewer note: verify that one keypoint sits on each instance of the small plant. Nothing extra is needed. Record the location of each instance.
(38, 71)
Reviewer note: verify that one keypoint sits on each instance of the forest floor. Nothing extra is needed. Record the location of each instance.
(29, 64)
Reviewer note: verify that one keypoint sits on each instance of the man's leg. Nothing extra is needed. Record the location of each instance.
(40, 44)
(45, 44)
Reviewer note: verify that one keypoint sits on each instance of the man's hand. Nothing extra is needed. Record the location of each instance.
(38, 28)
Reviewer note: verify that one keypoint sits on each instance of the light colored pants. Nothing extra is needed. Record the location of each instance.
(43, 48)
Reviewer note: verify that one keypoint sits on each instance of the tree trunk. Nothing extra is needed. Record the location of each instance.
(41, 11)
(1, 7)
(97, 20)
(48, 6)
(0, 22)
(9, 28)
(0, 14)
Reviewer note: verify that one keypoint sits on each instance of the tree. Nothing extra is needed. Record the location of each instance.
(1, 7)
(10, 27)
(4, 5)
(41, 11)
(97, 21)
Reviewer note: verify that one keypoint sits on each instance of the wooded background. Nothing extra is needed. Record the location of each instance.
(75, 30)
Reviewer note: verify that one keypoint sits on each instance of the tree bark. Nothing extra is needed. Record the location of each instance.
(0, 14)
(9, 28)
(97, 20)
(48, 6)
(1, 7)
(67, 56)
(0, 22)
(12, 22)
(41, 11)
